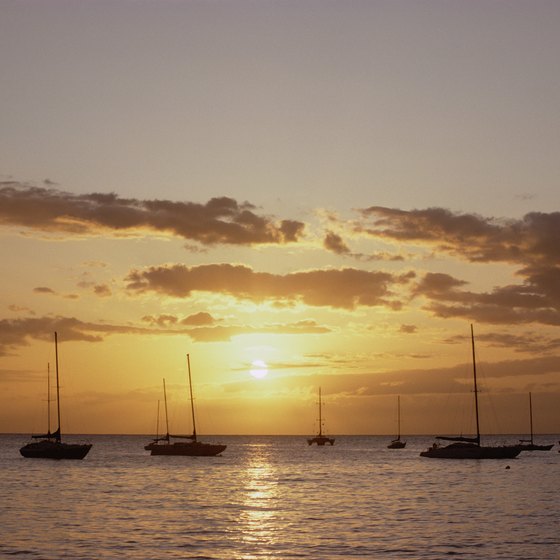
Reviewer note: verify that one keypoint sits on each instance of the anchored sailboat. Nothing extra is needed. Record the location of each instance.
(165, 437)
(320, 439)
(194, 448)
(51, 445)
(469, 447)
(529, 444)
(397, 443)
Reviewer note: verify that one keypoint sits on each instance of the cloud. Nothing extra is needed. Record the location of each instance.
(198, 319)
(534, 301)
(18, 332)
(526, 342)
(532, 243)
(102, 290)
(345, 288)
(200, 327)
(333, 242)
(535, 238)
(220, 221)
(43, 290)
(226, 333)
(50, 291)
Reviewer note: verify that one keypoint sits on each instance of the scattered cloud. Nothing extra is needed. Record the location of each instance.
(535, 238)
(534, 301)
(43, 290)
(102, 290)
(221, 220)
(199, 319)
(334, 242)
(50, 291)
(226, 333)
(200, 327)
(345, 288)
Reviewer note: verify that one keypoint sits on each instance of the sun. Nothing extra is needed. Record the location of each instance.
(259, 369)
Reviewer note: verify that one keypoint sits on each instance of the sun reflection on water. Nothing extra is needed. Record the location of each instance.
(259, 521)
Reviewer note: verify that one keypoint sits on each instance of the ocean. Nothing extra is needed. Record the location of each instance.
(276, 497)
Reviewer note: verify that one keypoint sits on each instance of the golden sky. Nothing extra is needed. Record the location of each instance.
(297, 194)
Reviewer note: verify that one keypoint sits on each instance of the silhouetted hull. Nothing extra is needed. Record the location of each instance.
(471, 451)
(55, 450)
(320, 440)
(191, 449)
(535, 447)
(397, 444)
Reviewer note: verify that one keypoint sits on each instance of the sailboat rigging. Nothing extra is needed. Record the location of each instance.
(320, 439)
(51, 445)
(397, 443)
(529, 444)
(469, 447)
(194, 447)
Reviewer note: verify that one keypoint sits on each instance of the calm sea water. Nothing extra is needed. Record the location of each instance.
(275, 497)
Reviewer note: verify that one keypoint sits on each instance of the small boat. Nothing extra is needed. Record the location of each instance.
(397, 443)
(51, 446)
(157, 439)
(193, 448)
(469, 447)
(320, 439)
(529, 444)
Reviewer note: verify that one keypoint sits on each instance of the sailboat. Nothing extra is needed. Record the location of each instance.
(193, 448)
(469, 447)
(529, 444)
(51, 446)
(157, 439)
(320, 439)
(397, 443)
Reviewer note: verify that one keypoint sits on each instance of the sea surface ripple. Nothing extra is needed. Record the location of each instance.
(276, 497)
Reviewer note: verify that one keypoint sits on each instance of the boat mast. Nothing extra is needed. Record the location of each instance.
(399, 417)
(166, 415)
(157, 421)
(192, 400)
(57, 433)
(320, 416)
(475, 389)
(48, 399)
(531, 417)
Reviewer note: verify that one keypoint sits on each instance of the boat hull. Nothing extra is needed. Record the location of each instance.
(320, 440)
(55, 450)
(191, 449)
(397, 444)
(471, 451)
(535, 447)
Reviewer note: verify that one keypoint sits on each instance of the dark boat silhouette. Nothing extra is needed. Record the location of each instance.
(320, 439)
(193, 448)
(469, 447)
(397, 443)
(529, 444)
(51, 445)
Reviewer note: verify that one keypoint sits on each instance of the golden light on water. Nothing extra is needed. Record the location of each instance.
(259, 518)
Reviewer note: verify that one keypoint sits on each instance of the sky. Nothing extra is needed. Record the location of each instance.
(296, 193)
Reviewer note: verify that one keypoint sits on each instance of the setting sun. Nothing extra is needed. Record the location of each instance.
(259, 369)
